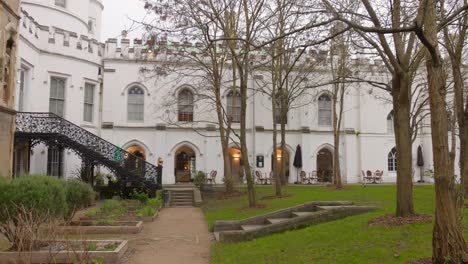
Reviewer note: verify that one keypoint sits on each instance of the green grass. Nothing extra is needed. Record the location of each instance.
(348, 240)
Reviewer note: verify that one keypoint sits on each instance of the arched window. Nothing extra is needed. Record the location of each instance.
(234, 106)
(390, 123)
(324, 110)
(185, 106)
(392, 160)
(136, 104)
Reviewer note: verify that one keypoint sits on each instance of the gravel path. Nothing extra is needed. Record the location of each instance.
(178, 235)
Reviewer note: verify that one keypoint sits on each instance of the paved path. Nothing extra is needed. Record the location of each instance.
(178, 235)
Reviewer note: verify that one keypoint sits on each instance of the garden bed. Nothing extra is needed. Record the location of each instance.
(107, 251)
(103, 227)
(125, 210)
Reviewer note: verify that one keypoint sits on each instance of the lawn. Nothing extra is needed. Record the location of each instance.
(349, 240)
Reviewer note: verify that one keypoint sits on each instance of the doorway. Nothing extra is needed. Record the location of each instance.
(325, 165)
(134, 164)
(237, 163)
(184, 164)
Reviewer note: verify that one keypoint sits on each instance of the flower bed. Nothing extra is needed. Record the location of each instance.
(106, 251)
(125, 210)
(103, 227)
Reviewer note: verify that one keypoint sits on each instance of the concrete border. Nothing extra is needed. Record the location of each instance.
(77, 228)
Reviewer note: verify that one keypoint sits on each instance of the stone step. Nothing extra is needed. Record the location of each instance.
(182, 195)
(299, 214)
(182, 203)
(251, 227)
(277, 220)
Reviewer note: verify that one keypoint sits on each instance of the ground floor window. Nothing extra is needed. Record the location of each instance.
(392, 160)
(55, 162)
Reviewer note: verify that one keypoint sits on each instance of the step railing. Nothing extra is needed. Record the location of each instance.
(49, 124)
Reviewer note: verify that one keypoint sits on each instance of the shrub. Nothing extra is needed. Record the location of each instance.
(140, 196)
(110, 205)
(200, 179)
(92, 212)
(154, 202)
(26, 203)
(145, 211)
(44, 195)
(79, 195)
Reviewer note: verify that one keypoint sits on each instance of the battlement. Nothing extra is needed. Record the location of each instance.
(171, 51)
(61, 41)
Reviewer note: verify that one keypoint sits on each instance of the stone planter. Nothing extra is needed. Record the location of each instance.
(126, 218)
(87, 227)
(206, 187)
(67, 256)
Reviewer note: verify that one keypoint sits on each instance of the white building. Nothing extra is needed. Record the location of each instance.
(61, 68)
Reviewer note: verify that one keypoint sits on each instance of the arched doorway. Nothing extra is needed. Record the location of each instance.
(279, 158)
(184, 164)
(134, 164)
(236, 164)
(325, 165)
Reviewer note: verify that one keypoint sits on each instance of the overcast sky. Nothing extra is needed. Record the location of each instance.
(116, 18)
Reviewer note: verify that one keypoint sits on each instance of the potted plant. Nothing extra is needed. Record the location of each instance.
(200, 182)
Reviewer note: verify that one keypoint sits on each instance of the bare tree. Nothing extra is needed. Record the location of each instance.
(401, 55)
(448, 242)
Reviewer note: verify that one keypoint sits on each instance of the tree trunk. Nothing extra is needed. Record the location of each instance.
(462, 118)
(274, 159)
(448, 244)
(283, 177)
(401, 92)
(227, 170)
(336, 161)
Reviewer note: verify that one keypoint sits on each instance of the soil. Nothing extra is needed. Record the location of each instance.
(389, 220)
(76, 246)
(256, 207)
(272, 197)
(421, 261)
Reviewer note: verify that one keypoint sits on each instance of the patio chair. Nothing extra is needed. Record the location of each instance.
(369, 176)
(212, 178)
(258, 177)
(378, 176)
(364, 178)
(303, 177)
(313, 177)
(269, 179)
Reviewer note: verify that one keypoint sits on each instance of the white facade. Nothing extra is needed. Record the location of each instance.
(48, 50)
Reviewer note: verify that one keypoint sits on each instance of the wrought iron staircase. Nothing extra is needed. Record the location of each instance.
(53, 130)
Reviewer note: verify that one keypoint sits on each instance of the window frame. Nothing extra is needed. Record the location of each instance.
(392, 161)
(137, 105)
(322, 110)
(390, 123)
(89, 103)
(234, 112)
(61, 3)
(185, 106)
(53, 99)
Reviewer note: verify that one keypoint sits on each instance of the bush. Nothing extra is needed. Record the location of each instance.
(110, 205)
(140, 196)
(145, 211)
(44, 195)
(200, 179)
(79, 195)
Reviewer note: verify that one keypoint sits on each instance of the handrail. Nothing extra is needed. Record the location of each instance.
(34, 122)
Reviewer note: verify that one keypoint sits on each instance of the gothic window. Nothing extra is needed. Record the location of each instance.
(185, 106)
(390, 124)
(234, 106)
(57, 96)
(392, 160)
(136, 104)
(324, 110)
(88, 102)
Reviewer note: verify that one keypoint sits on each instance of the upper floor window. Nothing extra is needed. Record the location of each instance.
(325, 110)
(91, 25)
(135, 104)
(234, 106)
(61, 3)
(392, 160)
(390, 123)
(57, 96)
(89, 102)
(185, 106)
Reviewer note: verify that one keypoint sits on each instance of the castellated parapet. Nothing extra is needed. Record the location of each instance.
(165, 51)
(56, 40)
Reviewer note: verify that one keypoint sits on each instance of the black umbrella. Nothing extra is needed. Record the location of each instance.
(420, 163)
(298, 160)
